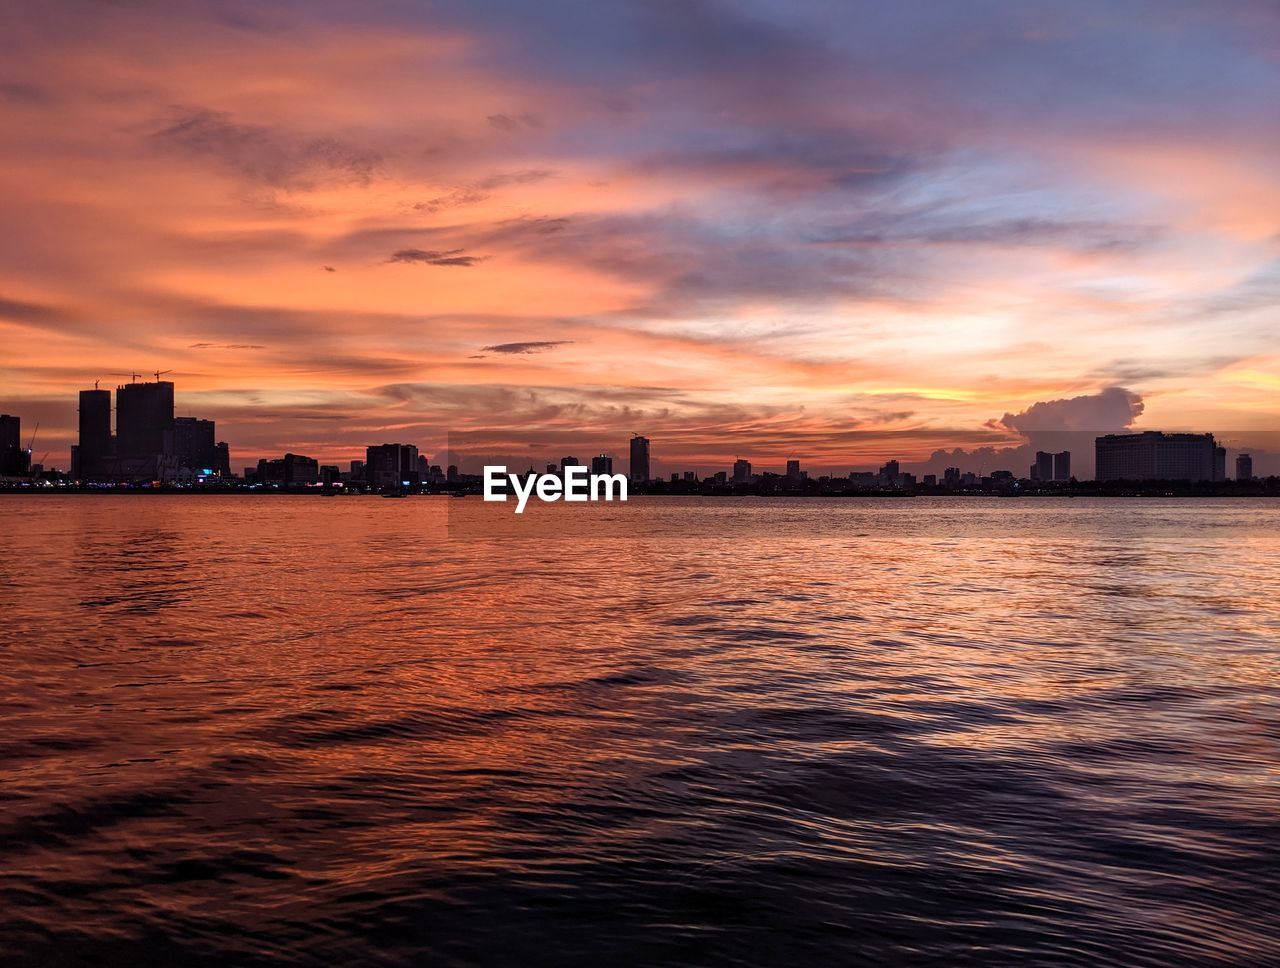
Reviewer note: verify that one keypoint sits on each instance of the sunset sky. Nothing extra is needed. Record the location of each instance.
(831, 229)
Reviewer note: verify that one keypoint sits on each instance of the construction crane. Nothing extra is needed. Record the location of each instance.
(160, 373)
(32, 442)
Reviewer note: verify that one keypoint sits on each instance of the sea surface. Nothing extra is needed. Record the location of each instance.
(299, 731)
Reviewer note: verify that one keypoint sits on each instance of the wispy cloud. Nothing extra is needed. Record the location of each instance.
(432, 257)
(530, 346)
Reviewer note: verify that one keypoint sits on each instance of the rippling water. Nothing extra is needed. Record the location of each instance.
(244, 731)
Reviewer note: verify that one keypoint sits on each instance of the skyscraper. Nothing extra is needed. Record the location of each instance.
(1244, 467)
(793, 470)
(639, 459)
(1042, 469)
(1156, 456)
(93, 454)
(741, 471)
(13, 459)
(391, 465)
(1062, 466)
(191, 445)
(222, 459)
(144, 418)
(602, 464)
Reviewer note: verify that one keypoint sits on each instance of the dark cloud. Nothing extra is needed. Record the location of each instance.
(276, 157)
(28, 312)
(227, 346)
(512, 123)
(434, 257)
(532, 346)
(328, 268)
(478, 191)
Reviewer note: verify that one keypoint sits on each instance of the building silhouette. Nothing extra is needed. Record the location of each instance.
(741, 471)
(191, 446)
(793, 470)
(639, 466)
(1042, 469)
(14, 461)
(602, 464)
(1244, 467)
(391, 465)
(291, 470)
(1157, 456)
(96, 448)
(222, 459)
(144, 421)
(1062, 466)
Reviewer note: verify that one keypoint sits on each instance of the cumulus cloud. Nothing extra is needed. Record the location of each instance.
(1114, 408)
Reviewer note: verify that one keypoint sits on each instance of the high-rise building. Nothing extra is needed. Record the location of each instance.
(391, 465)
(1156, 456)
(690, 476)
(95, 449)
(951, 476)
(191, 446)
(1244, 467)
(13, 459)
(741, 471)
(721, 477)
(222, 459)
(793, 470)
(1042, 469)
(602, 464)
(639, 459)
(891, 472)
(144, 418)
(1219, 464)
(569, 462)
(1062, 466)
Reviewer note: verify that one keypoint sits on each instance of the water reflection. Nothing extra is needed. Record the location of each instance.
(742, 731)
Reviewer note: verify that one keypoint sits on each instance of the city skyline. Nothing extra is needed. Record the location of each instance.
(788, 228)
(147, 441)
